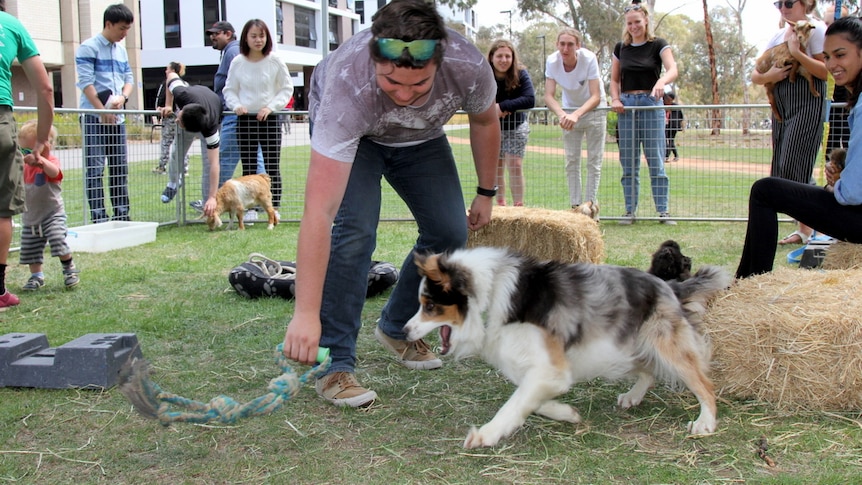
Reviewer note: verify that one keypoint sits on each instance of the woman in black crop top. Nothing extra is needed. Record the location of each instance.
(637, 81)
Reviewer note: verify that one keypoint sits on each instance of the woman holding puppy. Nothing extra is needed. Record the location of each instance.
(796, 139)
(835, 209)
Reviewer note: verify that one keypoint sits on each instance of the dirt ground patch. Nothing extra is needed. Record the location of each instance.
(688, 162)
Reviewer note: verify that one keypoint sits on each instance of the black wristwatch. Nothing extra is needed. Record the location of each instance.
(486, 192)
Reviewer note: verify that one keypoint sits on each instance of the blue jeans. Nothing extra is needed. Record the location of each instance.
(642, 128)
(228, 152)
(426, 178)
(105, 145)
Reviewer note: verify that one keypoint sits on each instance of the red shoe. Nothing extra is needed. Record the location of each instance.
(8, 300)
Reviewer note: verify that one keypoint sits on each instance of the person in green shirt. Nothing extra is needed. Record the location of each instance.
(17, 43)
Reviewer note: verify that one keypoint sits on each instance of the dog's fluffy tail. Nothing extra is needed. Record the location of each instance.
(695, 292)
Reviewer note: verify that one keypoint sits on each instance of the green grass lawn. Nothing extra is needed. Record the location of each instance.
(204, 340)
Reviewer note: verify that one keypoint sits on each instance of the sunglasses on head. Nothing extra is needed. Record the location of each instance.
(786, 3)
(420, 50)
(632, 7)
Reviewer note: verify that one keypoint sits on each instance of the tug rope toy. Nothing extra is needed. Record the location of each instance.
(153, 402)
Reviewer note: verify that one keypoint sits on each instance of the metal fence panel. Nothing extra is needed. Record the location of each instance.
(710, 181)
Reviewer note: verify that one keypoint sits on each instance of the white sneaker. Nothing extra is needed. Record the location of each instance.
(250, 216)
(627, 219)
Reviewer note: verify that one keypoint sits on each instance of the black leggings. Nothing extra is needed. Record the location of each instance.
(809, 204)
(671, 143)
(267, 133)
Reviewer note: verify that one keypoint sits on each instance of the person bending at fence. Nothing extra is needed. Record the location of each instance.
(258, 84)
(568, 68)
(106, 81)
(835, 209)
(199, 113)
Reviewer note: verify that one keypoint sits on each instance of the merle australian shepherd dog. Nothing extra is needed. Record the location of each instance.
(547, 325)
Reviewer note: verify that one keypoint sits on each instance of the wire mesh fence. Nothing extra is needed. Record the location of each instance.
(709, 181)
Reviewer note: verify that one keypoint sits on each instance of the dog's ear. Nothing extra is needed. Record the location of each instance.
(420, 259)
(429, 267)
(670, 243)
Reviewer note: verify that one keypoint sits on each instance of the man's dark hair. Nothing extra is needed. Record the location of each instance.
(244, 48)
(118, 13)
(192, 115)
(408, 20)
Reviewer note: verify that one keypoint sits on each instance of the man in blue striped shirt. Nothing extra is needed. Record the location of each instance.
(105, 79)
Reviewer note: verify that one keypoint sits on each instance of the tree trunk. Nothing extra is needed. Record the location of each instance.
(713, 72)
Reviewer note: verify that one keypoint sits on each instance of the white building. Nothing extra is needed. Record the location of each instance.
(175, 31)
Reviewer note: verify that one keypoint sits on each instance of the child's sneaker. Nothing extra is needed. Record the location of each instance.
(8, 300)
(33, 284)
(70, 277)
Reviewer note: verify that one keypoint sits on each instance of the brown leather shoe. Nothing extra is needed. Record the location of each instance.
(342, 389)
(413, 355)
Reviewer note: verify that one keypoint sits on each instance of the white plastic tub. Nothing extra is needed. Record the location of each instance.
(105, 236)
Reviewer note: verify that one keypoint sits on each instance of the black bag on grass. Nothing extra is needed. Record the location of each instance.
(261, 276)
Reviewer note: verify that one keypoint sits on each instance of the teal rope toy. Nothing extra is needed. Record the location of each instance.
(153, 402)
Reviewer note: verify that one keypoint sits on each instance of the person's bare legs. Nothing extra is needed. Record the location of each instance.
(514, 165)
(501, 181)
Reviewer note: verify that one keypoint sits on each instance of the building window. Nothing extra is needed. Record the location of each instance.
(333, 3)
(172, 24)
(279, 24)
(214, 10)
(360, 10)
(306, 32)
(333, 32)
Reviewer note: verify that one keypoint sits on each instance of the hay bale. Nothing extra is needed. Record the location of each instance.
(542, 233)
(792, 338)
(843, 255)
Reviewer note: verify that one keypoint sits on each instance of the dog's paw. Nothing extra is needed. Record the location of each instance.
(270, 227)
(703, 426)
(478, 438)
(629, 400)
(560, 412)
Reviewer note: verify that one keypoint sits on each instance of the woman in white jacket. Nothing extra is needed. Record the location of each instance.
(258, 83)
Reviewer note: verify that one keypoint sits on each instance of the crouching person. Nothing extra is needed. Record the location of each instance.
(199, 112)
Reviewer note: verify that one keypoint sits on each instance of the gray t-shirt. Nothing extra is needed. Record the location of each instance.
(345, 103)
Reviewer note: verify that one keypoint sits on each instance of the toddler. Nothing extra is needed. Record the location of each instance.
(45, 218)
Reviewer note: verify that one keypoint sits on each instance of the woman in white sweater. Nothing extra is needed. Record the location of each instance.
(258, 83)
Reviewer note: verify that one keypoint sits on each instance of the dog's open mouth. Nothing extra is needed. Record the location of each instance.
(445, 332)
